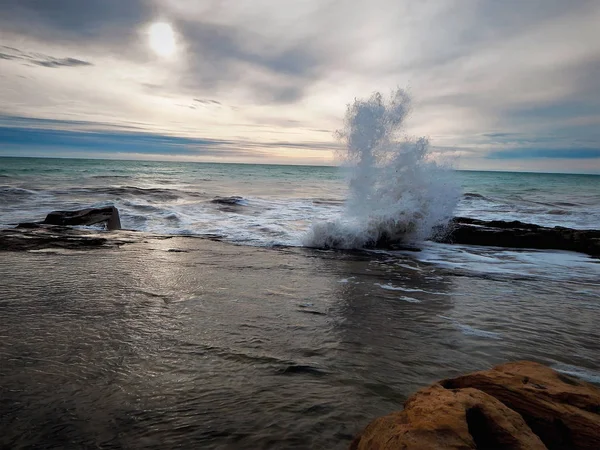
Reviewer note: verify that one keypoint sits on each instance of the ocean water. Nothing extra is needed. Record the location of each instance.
(257, 341)
(277, 204)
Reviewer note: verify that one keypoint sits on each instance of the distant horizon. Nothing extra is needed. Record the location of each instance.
(333, 166)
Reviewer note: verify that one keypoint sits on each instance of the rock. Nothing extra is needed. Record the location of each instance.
(90, 216)
(48, 237)
(234, 200)
(438, 418)
(29, 225)
(517, 234)
(563, 411)
(522, 405)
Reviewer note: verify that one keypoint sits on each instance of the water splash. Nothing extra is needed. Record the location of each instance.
(397, 192)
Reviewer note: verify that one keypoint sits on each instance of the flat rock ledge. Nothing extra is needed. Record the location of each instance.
(514, 406)
(55, 231)
(515, 234)
(36, 236)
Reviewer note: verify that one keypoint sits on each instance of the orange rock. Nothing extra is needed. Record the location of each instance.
(563, 411)
(438, 418)
(521, 405)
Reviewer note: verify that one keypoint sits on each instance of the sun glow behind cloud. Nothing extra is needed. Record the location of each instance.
(161, 39)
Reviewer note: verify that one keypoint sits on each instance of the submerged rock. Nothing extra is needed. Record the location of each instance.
(89, 216)
(234, 200)
(522, 405)
(517, 234)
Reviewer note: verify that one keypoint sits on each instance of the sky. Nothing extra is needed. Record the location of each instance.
(496, 85)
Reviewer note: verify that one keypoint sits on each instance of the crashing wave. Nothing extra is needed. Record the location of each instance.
(397, 192)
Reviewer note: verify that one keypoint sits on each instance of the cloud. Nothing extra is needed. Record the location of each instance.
(39, 59)
(18, 133)
(86, 20)
(544, 153)
(112, 142)
(222, 55)
(61, 62)
(207, 101)
(487, 76)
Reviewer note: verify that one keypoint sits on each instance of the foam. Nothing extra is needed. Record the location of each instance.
(579, 372)
(471, 331)
(409, 299)
(391, 287)
(508, 263)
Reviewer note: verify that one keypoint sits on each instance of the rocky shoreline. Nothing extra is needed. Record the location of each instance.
(514, 406)
(515, 234)
(55, 231)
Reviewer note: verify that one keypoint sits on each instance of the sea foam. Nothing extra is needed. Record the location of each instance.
(396, 191)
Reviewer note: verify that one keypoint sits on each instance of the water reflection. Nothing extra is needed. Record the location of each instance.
(186, 342)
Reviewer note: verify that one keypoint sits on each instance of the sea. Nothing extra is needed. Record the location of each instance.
(226, 326)
(266, 205)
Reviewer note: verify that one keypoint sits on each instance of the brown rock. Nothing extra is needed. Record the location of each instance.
(521, 405)
(563, 411)
(438, 418)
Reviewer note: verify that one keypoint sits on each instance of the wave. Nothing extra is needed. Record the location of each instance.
(142, 206)
(397, 192)
(15, 194)
(103, 177)
(156, 194)
(16, 190)
(567, 204)
(327, 201)
(474, 195)
(585, 374)
(471, 331)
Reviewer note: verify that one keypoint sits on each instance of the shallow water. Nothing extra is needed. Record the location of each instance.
(225, 346)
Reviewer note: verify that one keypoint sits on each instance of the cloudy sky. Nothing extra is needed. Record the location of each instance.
(512, 84)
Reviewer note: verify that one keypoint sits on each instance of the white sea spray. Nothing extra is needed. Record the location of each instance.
(397, 191)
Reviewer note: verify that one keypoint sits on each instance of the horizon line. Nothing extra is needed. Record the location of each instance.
(275, 164)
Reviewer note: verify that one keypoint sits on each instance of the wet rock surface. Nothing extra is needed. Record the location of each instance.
(34, 236)
(56, 231)
(88, 216)
(521, 405)
(517, 234)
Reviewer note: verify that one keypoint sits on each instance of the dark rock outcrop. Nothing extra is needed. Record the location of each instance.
(234, 200)
(517, 234)
(90, 216)
(43, 237)
(522, 405)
